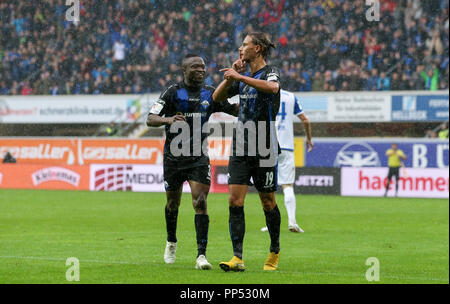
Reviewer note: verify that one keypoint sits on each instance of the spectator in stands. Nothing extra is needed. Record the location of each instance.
(431, 79)
(8, 158)
(417, 81)
(404, 83)
(42, 86)
(3, 88)
(430, 134)
(384, 82)
(25, 88)
(318, 82)
(372, 81)
(396, 82)
(320, 35)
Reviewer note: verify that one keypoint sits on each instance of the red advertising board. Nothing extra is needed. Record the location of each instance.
(80, 151)
(16, 176)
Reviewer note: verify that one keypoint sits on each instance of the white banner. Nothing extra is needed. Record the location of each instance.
(318, 106)
(432, 183)
(71, 109)
(359, 107)
(136, 178)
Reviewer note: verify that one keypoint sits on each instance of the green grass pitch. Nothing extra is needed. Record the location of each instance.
(119, 237)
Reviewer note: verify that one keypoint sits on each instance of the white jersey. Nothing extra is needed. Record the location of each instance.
(289, 106)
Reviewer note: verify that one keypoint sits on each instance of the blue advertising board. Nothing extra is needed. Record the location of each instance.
(371, 153)
(420, 107)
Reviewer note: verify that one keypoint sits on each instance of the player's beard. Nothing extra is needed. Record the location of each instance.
(197, 80)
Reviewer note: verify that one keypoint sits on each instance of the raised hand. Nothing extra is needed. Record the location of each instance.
(239, 66)
(230, 74)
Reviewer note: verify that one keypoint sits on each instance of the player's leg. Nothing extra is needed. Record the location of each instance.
(236, 223)
(171, 215)
(273, 222)
(173, 181)
(286, 178)
(199, 193)
(238, 181)
(266, 184)
(237, 217)
(291, 205)
(199, 182)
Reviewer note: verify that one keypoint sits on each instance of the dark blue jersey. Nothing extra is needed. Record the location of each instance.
(256, 106)
(197, 105)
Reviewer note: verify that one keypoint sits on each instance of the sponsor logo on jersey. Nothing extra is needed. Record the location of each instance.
(248, 96)
(194, 114)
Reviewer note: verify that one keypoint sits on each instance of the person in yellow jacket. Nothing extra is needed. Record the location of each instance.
(112, 130)
(443, 132)
(395, 158)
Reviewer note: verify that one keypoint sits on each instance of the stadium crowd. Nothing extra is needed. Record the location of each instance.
(135, 46)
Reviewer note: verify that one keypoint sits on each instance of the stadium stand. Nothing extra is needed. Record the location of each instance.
(121, 47)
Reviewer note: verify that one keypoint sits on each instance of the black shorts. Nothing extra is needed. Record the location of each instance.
(175, 177)
(242, 168)
(394, 171)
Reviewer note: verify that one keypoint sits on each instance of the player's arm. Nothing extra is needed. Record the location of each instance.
(266, 86)
(229, 108)
(221, 92)
(156, 116)
(154, 120)
(389, 152)
(307, 125)
(228, 88)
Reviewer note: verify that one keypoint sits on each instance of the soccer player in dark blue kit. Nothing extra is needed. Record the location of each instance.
(259, 101)
(191, 103)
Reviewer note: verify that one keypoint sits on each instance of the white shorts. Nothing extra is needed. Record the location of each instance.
(286, 167)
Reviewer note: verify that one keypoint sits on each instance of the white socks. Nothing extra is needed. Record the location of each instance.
(290, 203)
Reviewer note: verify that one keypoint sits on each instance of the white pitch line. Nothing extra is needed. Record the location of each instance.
(62, 259)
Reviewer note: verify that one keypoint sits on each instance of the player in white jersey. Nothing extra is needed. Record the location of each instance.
(289, 107)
